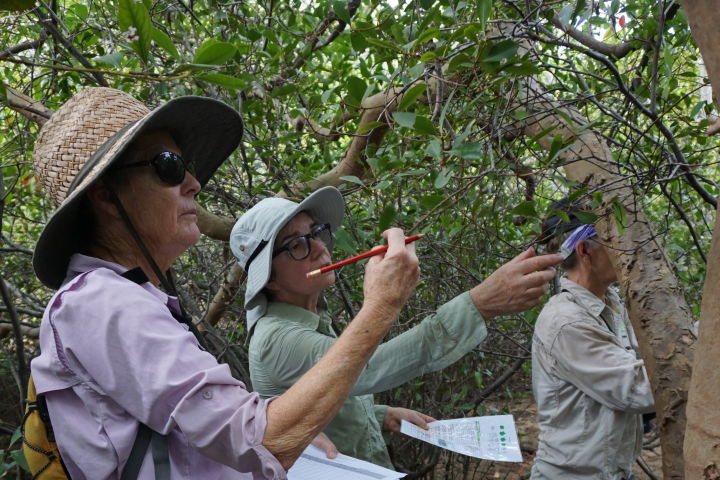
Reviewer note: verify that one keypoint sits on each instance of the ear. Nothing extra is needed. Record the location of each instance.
(272, 285)
(100, 199)
(582, 250)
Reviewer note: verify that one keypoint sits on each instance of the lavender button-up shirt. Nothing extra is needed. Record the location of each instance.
(113, 356)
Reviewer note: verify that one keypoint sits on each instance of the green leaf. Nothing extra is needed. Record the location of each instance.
(15, 436)
(459, 62)
(386, 217)
(565, 15)
(358, 42)
(425, 36)
(411, 95)
(370, 126)
(503, 50)
(430, 201)
(134, 18)
(356, 88)
(19, 458)
(586, 217)
(580, 8)
(352, 179)
(382, 45)
(525, 208)
(433, 149)
(621, 220)
(468, 151)
(405, 119)
(114, 59)
(226, 81)
(483, 11)
(443, 178)
(340, 9)
(556, 148)
(214, 52)
(424, 126)
(195, 67)
(283, 90)
(326, 94)
(16, 5)
(162, 39)
(577, 194)
(429, 56)
(522, 69)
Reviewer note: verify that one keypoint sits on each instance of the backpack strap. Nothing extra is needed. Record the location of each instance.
(137, 454)
(146, 436)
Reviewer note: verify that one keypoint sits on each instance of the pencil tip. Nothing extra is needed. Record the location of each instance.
(312, 274)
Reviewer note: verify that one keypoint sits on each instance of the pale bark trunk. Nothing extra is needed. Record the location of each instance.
(657, 307)
(702, 440)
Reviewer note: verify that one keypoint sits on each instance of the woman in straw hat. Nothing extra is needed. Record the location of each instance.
(278, 242)
(115, 358)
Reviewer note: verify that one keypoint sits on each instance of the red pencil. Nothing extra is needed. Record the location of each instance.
(354, 259)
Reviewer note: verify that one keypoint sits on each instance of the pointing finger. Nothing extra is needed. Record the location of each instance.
(541, 262)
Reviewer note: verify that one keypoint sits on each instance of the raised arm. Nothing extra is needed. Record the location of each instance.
(516, 286)
(298, 415)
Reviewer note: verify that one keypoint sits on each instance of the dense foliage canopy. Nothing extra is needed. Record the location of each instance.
(448, 157)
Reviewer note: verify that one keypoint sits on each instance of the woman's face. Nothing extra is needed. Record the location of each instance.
(288, 281)
(164, 215)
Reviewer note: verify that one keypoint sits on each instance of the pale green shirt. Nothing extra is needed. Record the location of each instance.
(590, 385)
(289, 340)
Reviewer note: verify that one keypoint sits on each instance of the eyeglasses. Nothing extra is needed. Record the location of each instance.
(169, 167)
(299, 247)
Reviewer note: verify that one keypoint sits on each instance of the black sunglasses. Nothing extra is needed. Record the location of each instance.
(169, 167)
(299, 248)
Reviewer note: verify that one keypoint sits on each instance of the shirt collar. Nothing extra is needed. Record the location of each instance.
(589, 300)
(293, 313)
(80, 263)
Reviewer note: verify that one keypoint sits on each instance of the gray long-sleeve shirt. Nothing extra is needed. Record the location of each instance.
(590, 387)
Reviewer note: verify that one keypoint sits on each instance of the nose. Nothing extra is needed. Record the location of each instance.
(318, 247)
(190, 185)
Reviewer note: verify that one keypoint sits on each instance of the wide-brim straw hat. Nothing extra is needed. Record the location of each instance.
(90, 131)
(252, 239)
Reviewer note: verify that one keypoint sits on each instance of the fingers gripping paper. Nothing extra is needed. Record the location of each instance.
(492, 438)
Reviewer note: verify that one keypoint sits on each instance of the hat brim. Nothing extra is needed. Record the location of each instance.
(325, 205)
(207, 131)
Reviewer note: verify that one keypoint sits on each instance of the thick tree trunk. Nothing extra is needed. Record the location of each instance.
(657, 307)
(702, 441)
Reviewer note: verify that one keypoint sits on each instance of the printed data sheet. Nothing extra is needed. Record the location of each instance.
(314, 465)
(492, 438)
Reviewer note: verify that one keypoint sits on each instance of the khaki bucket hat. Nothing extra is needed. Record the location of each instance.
(253, 238)
(91, 131)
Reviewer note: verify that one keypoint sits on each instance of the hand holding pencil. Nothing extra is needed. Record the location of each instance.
(359, 257)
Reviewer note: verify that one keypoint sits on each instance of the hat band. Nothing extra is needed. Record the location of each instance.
(99, 153)
(255, 253)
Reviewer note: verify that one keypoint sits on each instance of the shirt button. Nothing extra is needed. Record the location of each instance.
(207, 395)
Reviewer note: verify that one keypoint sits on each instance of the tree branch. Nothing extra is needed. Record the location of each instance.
(24, 46)
(617, 51)
(27, 107)
(52, 30)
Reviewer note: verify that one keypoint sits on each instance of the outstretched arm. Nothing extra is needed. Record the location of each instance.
(516, 286)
